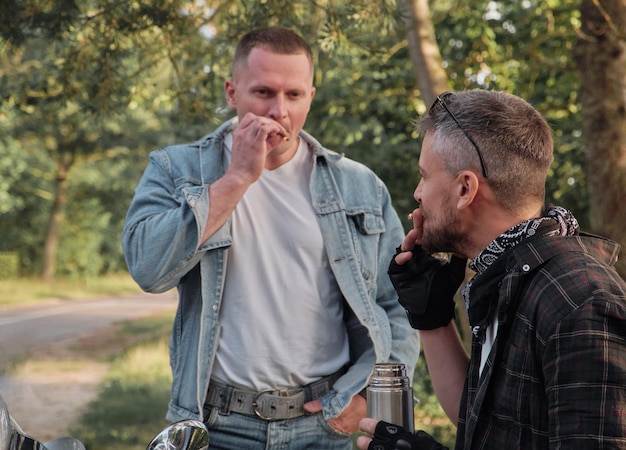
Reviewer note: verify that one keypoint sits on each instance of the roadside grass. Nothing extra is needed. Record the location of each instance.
(133, 356)
(131, 405)
(133, 398)
(22, 291)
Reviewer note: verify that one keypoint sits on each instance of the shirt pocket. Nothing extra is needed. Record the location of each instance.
(366, 222)
(366, 229)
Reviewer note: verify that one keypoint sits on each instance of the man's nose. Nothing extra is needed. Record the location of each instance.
(278, 108)
(417, 194)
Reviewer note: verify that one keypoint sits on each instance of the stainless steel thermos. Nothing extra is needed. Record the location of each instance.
(390, 395)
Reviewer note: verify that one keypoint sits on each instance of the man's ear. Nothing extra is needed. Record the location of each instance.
(466, 188)
(229, 89)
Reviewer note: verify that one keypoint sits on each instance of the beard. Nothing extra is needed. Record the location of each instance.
(442, 234)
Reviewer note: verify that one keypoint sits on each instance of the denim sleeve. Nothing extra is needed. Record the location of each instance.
(405, 346)
(163, 225)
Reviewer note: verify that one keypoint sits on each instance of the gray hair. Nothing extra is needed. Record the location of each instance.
(514, 140)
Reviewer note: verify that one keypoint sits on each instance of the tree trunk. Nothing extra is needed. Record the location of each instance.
(48, 268)
(432, 79)
(601, 58)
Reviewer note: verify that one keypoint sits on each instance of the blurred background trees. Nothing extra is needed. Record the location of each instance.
(87, 89)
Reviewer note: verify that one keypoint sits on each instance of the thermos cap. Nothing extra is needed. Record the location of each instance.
(389, 370)
(388, 375)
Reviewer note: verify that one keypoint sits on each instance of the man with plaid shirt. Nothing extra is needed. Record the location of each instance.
(546, 307)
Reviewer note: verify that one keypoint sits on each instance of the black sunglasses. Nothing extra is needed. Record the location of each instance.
(440, 101)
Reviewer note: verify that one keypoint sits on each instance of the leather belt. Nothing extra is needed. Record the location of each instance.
(269, 404)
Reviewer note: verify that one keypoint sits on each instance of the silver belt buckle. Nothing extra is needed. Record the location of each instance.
(255, 402)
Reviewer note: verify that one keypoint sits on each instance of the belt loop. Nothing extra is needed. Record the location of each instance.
(225, 400)
(316, 390)
(229, 399)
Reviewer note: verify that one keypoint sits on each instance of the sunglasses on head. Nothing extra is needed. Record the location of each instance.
(440, 102)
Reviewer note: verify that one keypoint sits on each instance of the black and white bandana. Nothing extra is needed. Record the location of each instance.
(556, 221)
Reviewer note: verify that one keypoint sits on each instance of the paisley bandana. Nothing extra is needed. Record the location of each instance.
(556, 221)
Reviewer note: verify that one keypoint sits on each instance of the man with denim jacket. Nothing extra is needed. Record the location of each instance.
(279, 250)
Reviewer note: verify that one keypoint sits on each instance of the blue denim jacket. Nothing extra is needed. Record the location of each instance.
(361, 231)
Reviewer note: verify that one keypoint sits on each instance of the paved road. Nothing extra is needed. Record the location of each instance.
(25, 328)
(46, 404)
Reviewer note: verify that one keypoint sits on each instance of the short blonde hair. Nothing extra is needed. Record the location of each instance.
(275, 39)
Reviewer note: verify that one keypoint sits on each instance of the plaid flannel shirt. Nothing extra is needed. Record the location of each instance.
(556, 375)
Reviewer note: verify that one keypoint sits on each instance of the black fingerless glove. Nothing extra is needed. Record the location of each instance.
(392, 437)
(426, 286)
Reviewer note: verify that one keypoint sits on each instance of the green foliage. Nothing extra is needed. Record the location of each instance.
(12, 166)
(9, 265)
(86, 83)
(524, 48)
(131, 405)
(429, 416)
(46, 19)
(81, 88)
(30, 194)
(99, 196)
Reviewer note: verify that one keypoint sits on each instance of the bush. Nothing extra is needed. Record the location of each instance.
(9, 265)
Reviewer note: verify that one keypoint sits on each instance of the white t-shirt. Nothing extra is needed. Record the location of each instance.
(490, 337)
(282, 311)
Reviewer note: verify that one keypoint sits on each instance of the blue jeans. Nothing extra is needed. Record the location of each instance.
(243, 432)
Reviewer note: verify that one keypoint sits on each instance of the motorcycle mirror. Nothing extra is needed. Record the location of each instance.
(183, 435)
(5, 426)
(11, 435)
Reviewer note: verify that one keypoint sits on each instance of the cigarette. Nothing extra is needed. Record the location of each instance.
(285, 138)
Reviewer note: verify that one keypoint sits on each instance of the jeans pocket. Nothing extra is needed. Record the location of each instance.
(329, 428)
